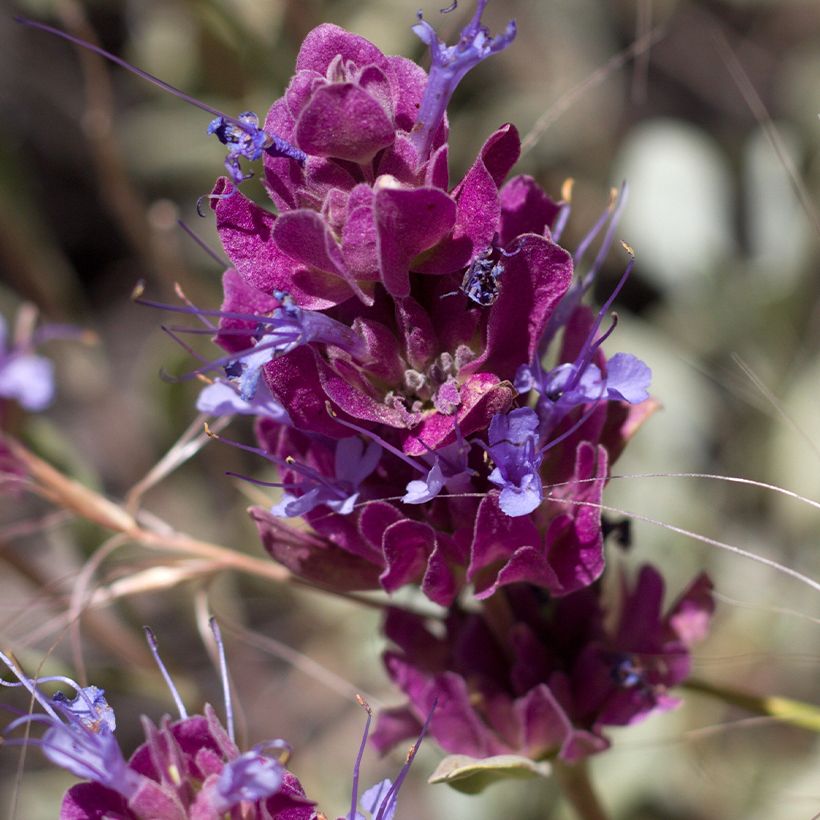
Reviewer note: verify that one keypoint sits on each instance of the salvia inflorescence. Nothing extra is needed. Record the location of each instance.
(436, 397)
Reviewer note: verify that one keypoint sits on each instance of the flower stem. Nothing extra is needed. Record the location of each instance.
(794, 712)
(576, 786)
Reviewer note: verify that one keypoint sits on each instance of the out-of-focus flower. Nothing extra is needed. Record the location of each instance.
(189, 769)
(551, 680)
(24, 376)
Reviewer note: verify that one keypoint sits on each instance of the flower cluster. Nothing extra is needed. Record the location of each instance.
(390, 328)
(435, 395)
(188, 769)
(544, 677)
(438, 402)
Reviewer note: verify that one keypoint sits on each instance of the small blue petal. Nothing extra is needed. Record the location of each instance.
(627, 378)
(421, 491)
(223, 399)
(27, 379)
(374, 798)
(250, 777)
(515, 501)
(89, 708)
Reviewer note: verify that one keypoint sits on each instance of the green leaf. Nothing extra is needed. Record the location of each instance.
(472, 775)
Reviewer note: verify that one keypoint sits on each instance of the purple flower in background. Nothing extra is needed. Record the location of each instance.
(189, 769)
(550, 682)
(24, 376)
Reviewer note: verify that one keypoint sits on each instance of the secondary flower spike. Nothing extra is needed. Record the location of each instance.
(189, 769)
(551, 682)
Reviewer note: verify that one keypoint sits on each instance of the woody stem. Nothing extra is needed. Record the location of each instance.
(576, 787)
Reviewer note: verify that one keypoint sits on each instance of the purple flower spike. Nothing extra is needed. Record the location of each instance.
(550, 682)
(449, 66)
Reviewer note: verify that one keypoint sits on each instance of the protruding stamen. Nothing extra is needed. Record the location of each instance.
(578, 424)
(374, 437)
(137, 291)
(29, 685)
(616, 207)
(152, 645)
(357, 765)
(241, 135)
(583, 245)
(392, 795)
(288, 463)
(572, 298)
(128, 67)
(203, 244)
(223, 675)
(592, 343)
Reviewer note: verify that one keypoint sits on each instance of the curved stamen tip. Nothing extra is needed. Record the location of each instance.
(628, 249)
(208, 432)
(359, 699)
(566, 189)
(614, 195)
(151, 639)
(138, 291)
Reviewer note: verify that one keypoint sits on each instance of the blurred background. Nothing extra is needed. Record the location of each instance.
(710, 113)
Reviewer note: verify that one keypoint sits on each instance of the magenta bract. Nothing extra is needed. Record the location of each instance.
(549, 679)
